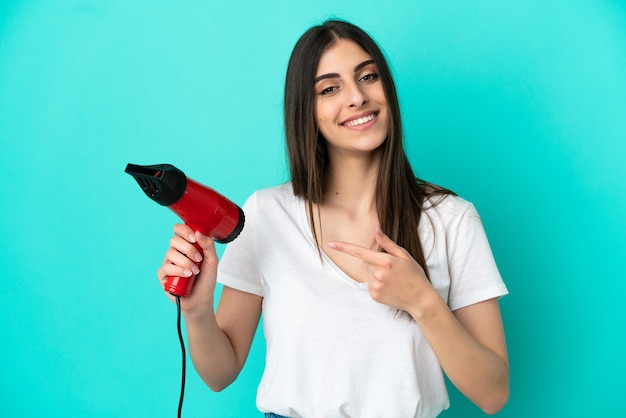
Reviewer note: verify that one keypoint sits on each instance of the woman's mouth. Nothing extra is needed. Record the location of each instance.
(352, 123)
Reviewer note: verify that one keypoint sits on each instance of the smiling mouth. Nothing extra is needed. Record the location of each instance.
(360, 121)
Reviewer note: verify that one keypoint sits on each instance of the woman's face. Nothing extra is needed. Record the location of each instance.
(350, 104)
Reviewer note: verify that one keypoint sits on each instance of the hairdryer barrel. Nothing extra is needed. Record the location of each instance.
(199, 206)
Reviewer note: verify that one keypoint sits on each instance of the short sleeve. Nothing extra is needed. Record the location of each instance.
(238, 267)
(474, 275)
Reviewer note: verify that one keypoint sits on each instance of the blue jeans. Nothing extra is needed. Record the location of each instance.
(270, 415)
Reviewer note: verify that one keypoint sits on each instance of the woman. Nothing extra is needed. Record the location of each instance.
(370, 281)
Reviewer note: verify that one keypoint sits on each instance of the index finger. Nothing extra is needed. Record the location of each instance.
(366, 254)
(183, 230)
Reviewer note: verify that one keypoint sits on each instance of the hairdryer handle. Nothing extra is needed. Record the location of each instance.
(181, 286)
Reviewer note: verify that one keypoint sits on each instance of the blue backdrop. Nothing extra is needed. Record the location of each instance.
(520, 107)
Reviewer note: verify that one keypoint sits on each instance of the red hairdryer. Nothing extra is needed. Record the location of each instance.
(199, 206)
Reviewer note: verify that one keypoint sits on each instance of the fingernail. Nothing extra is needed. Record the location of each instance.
(195, 270)
(187, 273)
(192, 238)
(198, 257)
(332, 245)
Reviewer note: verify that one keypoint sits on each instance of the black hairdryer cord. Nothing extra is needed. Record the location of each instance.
(182, 346)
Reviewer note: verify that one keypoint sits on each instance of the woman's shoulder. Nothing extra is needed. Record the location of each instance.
(270, 196)
(281, 191)
(449, 208)
(448, 202)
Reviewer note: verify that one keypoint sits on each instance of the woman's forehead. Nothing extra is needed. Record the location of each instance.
(344, 55)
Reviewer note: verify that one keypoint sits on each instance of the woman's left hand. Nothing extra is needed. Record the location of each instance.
(395, 278)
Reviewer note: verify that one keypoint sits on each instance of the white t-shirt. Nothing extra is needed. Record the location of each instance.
(332, 351)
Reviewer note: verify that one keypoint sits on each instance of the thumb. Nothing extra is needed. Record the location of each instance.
(207, 246)
(388, 244)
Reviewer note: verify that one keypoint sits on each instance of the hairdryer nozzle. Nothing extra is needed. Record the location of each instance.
(163, 183)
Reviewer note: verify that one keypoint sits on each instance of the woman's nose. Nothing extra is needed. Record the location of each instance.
(356, 96)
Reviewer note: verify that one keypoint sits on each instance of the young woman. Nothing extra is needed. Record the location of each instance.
(370, 281)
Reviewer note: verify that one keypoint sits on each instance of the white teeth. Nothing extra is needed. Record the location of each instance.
(360, 121)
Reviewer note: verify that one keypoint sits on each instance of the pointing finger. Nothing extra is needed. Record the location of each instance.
(365, 254)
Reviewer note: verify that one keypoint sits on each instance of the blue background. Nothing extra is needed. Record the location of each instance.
(519, 107)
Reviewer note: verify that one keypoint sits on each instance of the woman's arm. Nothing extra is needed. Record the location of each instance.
(218, 342)
(471, 348)
(469, 343)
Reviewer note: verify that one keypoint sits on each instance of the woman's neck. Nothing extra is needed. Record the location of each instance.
(352, 184)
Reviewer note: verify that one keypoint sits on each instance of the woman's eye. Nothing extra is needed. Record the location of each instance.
(328, 90)
(369, 77)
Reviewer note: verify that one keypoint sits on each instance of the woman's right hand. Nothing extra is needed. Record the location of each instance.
(180, 260)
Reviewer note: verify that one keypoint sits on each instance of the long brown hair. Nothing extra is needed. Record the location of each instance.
(399, 194)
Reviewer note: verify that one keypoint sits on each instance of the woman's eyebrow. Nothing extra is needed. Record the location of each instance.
(363, 64)
(336, 75)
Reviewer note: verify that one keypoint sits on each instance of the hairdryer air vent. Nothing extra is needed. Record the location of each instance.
(163, 183)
